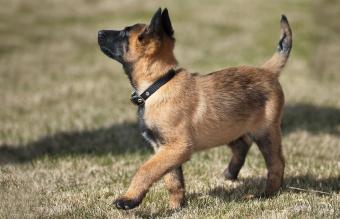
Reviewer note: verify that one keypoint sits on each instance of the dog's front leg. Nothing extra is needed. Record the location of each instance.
(166, 159)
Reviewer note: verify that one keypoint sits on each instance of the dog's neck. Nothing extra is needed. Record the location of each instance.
(146, 71)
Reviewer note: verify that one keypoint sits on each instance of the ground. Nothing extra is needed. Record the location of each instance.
(69, 142)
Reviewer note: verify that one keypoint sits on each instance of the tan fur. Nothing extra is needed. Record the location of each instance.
(150, 57)
(196, 112)
(278, 60)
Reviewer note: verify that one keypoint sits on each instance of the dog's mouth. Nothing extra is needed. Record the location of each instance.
(107, 52)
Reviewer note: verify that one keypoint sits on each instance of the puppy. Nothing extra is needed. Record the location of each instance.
(181, 113)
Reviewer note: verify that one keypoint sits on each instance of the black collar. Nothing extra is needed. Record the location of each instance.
(140, 99)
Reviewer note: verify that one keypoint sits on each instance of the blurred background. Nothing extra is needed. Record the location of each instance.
(69, 141)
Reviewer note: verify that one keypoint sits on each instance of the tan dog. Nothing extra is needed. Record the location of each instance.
(182, 113)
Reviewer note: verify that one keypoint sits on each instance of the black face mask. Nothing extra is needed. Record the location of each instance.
(114, 43)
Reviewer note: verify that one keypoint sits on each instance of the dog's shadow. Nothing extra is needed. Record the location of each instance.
(115, 140)
(125, 137)
(311, 118)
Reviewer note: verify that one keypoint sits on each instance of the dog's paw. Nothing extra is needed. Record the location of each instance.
(125, 203)
(267, 195)
(229, 176)
(176, 205)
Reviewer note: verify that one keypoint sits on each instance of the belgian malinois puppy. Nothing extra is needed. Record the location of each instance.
(181, 113)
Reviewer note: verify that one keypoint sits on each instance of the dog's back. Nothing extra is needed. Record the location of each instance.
(241, 100)
(232, 102)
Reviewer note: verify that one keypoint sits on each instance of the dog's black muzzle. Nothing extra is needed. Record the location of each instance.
(112, 43)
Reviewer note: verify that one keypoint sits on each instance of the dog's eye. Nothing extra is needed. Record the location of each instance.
(126, 31)
(140, 37)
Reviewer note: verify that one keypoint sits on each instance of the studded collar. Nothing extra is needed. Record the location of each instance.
(140, 99)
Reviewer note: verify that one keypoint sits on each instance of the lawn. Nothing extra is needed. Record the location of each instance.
(69, 140)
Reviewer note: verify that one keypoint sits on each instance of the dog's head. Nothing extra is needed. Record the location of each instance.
(138, 41)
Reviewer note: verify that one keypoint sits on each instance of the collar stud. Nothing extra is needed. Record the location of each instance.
(140, 99)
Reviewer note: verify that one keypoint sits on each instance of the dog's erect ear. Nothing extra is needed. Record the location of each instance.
(155, 25)
(161, 21)
(166, 23)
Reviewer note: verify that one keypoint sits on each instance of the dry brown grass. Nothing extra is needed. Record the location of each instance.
(69, 142)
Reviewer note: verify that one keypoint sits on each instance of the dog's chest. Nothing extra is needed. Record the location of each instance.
(150, 134)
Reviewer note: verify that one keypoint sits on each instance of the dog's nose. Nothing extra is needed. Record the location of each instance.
(100, 33)
(101, 36)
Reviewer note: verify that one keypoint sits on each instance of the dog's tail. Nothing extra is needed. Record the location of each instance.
(280, 57)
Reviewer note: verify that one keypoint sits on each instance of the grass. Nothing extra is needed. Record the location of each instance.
(69, 142)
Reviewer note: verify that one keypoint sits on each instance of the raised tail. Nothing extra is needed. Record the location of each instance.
(276, 63)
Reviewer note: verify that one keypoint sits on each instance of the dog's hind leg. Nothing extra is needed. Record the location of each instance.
(269, 143)
(174, 182)
(240, 148)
